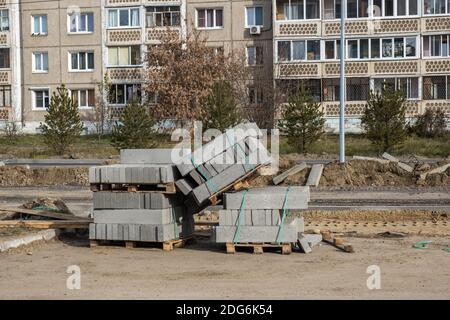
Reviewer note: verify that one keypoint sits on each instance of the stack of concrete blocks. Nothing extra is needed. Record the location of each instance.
(148, 216)
(261, 210)
(220, 163)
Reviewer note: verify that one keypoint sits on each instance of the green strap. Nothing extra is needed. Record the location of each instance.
(233, 145)
(237, 234)
(200, 171)
(283, 215)
(174, 217)
(44, 207)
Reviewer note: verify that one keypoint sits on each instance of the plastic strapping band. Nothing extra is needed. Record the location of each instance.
(283, 215)
(208, 182)
(237, 234)
(233, 145)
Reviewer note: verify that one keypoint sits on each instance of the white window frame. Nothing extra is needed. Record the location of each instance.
(336, 51)
(77, 22)
(4, 16)
(33, 98)
(215, 27)
(430, 46)
(125, 93)
(40, 33)
(78, 60)
(254, 13)
(129, 57)
(304, 11)
(395, 10)
(255, 56)
(87, 97)
(292, 60)
(155, 13)
(380, 39)
(396, 83)
(33, 61)
(129, 18)
(447, 9)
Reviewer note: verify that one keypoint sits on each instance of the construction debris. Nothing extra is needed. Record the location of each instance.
(295, 169)
(402, 165)
(440, 169)
(370, 159)
(315, 175)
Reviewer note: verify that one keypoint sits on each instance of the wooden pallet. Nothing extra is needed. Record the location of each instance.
(46, 224)
(258, 248)
(336, 242)
(162, 187)
(165, 246)
(241, 183)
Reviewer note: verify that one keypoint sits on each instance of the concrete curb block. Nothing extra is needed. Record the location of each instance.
(25, 240)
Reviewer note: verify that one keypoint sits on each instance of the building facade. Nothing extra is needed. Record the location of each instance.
(404, 43)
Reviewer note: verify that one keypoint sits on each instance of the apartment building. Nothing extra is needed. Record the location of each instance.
(403, 43)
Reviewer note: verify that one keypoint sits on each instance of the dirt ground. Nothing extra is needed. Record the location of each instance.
(205, 271)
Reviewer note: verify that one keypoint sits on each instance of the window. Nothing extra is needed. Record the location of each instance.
(390, 8)
(255, 95)
(209, 18)
(436, 46)
(298, 9)
(332, 49)
(84, 98)
(357, 8)
(40, 99)
(298, 50)
(409, 86)
(124, 93)
(124, 56)
(39, 26)
(254, 56)
(390, 47)
(81, 23)
(254, 16)
(162, 16)
(4, 20)
(357, 89)
(436, 7)
(436, 88)
(40, 62)
(5, 96)
(332, 9)
(4, 58)
(81, 61)
(331, 91)
(126, 17)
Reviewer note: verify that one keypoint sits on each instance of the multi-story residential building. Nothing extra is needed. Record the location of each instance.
(60, 44)
(404, 43)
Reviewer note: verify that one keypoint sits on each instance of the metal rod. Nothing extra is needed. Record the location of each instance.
(342, 86)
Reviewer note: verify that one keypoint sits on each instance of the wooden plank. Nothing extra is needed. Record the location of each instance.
(43, 213)
(337, 242)
(46, 224)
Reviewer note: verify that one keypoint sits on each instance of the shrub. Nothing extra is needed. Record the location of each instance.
(431, 124)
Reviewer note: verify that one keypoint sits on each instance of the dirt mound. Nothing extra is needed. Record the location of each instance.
(359, 173)
(19, 176)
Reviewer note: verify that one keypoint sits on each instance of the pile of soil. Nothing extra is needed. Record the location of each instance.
(360, 173)
(20, 176)
(46, 203)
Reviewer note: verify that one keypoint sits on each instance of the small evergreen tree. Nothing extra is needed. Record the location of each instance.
(62, 121)
(221, 111)
(135, 128)
(431, 124)
(303, 121)
(384, 120)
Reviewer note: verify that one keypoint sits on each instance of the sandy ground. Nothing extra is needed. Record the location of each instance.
(205, 271)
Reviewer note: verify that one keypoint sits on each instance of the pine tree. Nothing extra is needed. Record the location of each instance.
(384, 120)
(303, 121)
(221, 111)
(62, 121)
(135, 128)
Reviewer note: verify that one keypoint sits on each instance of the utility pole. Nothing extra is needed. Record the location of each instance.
(342, 85)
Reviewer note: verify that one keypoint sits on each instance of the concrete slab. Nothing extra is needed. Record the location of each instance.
(402, 165)
(314, 175)
(256, 234)
(137, 216)
(185, 186)
(134, 173)
(268, 198)
(134, 200)
(294, 170)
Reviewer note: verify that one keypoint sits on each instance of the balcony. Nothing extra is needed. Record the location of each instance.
(114, 3)
(436, 66)
(125, 74)
(295, 70)
(4, 38)
(124, 36)
(154, 35)
(5, 77)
